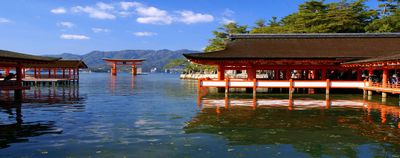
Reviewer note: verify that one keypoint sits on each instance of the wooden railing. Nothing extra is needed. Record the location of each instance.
(237, 83)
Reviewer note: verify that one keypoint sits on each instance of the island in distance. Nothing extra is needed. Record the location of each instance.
(155, 59)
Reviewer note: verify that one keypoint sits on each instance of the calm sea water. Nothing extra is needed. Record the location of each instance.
(158, 115)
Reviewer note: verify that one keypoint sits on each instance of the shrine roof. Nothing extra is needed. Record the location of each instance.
(351, 46)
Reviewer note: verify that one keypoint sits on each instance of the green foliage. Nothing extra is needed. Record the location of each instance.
(221, 36)
(176, 63)
(318, 17)
(388, 23)
(388, 6)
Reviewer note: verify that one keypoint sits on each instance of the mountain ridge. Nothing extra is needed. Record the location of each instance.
(154, 58)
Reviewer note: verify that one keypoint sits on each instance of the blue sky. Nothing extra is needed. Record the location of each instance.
(65, 26)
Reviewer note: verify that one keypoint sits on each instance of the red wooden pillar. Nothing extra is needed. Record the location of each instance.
(221, 72)
(63, 73)
(251, 73)
(276, 75)
(7, 71)
(323, 74)
(35, 72)
(370, 73)
(134, 69)
(114, 69)
(23, 72)
(77, 73)
(288, 74)
(39, 73)
(69, 73)
(385, 77)
(74, 74)
(18, 70)
(55, 72)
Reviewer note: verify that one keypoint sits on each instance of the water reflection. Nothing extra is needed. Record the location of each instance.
(13, 125)
(330, 127)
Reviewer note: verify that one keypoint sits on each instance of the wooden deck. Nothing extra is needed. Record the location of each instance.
(390, 88)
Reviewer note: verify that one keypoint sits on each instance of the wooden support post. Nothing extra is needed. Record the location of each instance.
(77, 75)
(55, 72)
(385, 78)
(7, 71)
(39, 73)
(134, 69)
(251, 73)
(221, 72)
(323, 74)
(290, 106)
(114, 69)
(384, 81)
(49, 73)
(254, 87)
(69, 73)
(288, 74)
(276, 75)
(328, 86)
(199, 84)
(23, 72)
(327, 102)
(365, 87)
(290, 86)
(18, 70)
(74, 75)
(35, 72)
(226, 86)
(63, 73)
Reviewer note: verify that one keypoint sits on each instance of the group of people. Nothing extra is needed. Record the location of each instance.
(393, 79)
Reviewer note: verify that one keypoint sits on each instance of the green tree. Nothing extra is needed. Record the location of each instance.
(389, 23)
(388, 6)
(349, 17)
(273, 26)
(221, 36)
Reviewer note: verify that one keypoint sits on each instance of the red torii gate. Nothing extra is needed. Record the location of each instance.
(115, 62)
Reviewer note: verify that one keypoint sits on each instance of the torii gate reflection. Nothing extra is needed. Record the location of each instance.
(133, 62)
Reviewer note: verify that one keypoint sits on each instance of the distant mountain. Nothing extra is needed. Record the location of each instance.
(154, 58)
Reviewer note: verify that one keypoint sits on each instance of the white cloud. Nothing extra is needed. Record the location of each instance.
(99, 30)
(74, 37)
(145, 14)
(128, 5)
(144, 34)
(225, 20)
(227, 16)
(124, 13)
(4, 20)
(59, 10)
(189, 17)
(104, 6)
(66, 24)
(153, 15)
(96, 13)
